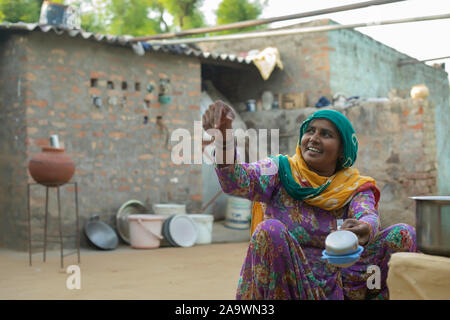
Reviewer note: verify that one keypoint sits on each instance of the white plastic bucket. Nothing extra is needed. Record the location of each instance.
(238, 213)
(204, 224)
(180, 230)
(169, 209)
(145, 230)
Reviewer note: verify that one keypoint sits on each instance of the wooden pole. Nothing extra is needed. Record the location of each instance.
(252, 23)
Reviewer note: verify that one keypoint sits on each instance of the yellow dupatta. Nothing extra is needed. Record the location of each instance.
(343, 185)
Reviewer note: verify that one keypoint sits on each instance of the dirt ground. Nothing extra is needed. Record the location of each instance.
(200, 272)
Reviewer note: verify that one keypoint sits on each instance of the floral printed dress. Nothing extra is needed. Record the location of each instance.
(284, 256)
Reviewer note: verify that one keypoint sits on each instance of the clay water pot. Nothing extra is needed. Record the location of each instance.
(52, 167)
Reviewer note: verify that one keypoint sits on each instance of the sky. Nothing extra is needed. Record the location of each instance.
(420, 40)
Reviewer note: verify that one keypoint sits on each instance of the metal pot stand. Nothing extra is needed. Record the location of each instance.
(53, 239)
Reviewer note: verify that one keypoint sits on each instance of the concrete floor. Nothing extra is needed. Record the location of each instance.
(167, 273)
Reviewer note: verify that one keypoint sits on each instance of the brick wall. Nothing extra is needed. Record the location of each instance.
(119, 149)
(13, 151)
(398, 148)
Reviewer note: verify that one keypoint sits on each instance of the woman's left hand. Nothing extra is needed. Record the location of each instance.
(361, 229)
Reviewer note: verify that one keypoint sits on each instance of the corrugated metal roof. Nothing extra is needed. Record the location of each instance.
(181, 49)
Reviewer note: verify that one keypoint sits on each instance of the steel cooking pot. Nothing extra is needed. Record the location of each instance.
(433, 224)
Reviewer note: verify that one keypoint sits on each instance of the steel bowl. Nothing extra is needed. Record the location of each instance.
(100, 234)
(433, 224)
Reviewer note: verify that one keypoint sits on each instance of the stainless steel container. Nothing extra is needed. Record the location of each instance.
(433, 224)
(54, 141)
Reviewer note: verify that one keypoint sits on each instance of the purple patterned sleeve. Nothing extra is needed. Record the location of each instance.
(362, 208)
(254, 181)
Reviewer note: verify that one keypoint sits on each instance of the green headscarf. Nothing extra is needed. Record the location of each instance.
(350, 150)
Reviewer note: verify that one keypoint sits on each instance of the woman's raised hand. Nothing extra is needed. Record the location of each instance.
(219, 116)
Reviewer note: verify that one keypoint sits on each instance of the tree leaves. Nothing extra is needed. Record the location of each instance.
(138, 17)
(186, 13)
(20, 10)
(230, 11)
(131, 17)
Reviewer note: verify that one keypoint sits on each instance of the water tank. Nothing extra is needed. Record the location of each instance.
(59, 15)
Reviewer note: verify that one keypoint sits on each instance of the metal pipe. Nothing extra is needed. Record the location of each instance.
(252, 23)
(78, 224)
(403, 62)
(60, 228)
(297, 30)
(45, 221)
(29, 224)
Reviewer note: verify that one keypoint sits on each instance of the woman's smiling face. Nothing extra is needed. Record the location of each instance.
(321, 147)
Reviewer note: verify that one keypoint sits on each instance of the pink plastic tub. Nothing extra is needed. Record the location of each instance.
(145, 230)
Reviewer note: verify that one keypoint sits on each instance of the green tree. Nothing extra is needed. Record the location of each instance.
(186, 13)
(118, 17)
(93, 22)
(20, 10)
(158, 9)
(230, 11)
(127, 17)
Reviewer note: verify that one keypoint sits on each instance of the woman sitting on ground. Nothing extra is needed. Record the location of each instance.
(303, 198)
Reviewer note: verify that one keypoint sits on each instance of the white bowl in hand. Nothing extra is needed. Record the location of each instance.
(342, 249)
(341, 242)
